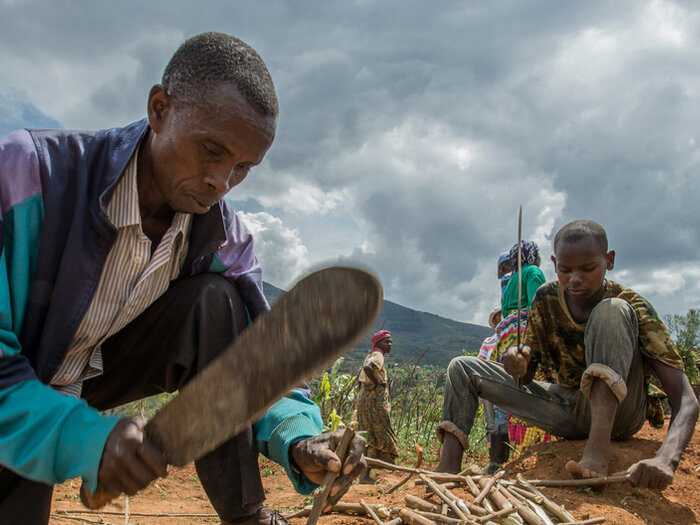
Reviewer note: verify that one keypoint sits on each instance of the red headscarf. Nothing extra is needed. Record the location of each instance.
(380, 336)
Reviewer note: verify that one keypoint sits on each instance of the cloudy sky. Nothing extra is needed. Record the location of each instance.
(411, 131)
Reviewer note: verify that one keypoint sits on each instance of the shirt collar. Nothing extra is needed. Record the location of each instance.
(123, 208)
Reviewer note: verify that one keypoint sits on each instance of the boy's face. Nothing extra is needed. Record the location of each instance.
(580, 267)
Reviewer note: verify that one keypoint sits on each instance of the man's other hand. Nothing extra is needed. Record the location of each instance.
(515, 363)
(315, 457)
(129, 461)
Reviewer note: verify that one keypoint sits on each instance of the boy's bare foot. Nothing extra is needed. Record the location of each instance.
(451, 456)
(593, 464)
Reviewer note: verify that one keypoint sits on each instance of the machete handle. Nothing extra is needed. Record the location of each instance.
(99, 499)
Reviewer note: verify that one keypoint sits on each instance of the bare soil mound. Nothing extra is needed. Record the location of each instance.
(179, 499)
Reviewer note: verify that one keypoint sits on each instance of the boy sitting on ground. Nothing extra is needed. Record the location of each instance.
(603, 342)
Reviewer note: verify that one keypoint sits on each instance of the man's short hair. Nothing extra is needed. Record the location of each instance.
(205, 61)
(580, 229)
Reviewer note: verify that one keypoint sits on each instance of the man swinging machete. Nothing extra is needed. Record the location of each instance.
(124, 273)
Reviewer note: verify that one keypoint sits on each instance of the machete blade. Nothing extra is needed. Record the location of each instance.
(309, 327)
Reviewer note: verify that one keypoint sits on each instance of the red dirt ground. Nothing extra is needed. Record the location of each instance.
(621, 504)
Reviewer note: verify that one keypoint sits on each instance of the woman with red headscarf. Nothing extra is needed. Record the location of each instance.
(374, 406)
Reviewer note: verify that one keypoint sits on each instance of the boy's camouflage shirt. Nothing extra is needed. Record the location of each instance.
(557, 341)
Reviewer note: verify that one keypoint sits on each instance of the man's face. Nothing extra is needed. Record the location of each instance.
(580, 267)
(200, 152)
(385, 344)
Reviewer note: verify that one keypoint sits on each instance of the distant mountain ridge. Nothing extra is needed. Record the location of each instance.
(412, 331)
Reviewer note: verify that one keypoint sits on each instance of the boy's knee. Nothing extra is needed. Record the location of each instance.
(612, 311)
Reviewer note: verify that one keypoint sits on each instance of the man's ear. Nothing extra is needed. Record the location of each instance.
(159, 106)
(610, 256)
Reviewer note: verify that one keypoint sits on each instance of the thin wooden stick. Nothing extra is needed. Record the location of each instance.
(529, 499)
(472, 486)
(340, 507)
(525, 512)
(498, 499)
(412, 518)
(446, 478)
(84, 520)
(498, 514)
(440, 494)
(139, 514)
(587, 482)
(414, 502)
(378, 463)
(487, 488)
(439, 518)
(471, 470)
(559, 511)
(419, 461)
(369, 511)
(341, 451)
(592, 521)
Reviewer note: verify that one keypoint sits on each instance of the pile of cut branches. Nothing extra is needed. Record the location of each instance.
(469, 498)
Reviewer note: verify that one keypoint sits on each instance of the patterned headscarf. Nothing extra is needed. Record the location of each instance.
(529, 254)
(380, 336)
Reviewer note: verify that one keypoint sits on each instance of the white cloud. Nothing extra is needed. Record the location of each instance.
(282, 255)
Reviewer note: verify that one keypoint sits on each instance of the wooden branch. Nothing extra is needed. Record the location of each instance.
(471, 470)
(498, 514)
(446, 478)
(414, 502)
(439, 518)
(341, 451)
(369, 511)
(440, 494)
(81, 519)
(529, 499)
(489, 484)
(419, 461)
(592, 521)
(587, 482)
(341, 508)
(537, 498)
(525, 512)
(378, 463)
(559, 511)
(140, 514)
(411, 518)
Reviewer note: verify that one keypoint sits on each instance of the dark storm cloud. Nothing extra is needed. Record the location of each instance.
(411, 131)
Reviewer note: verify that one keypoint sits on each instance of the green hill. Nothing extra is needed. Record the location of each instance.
(412, 331)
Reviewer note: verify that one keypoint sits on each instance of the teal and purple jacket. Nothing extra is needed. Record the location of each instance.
(55, 237)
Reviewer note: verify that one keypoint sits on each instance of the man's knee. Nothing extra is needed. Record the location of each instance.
(217, 294)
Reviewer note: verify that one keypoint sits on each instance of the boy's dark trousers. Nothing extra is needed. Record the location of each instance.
(160, 351)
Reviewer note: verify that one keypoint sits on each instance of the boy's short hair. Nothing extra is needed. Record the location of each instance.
(580, 229)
